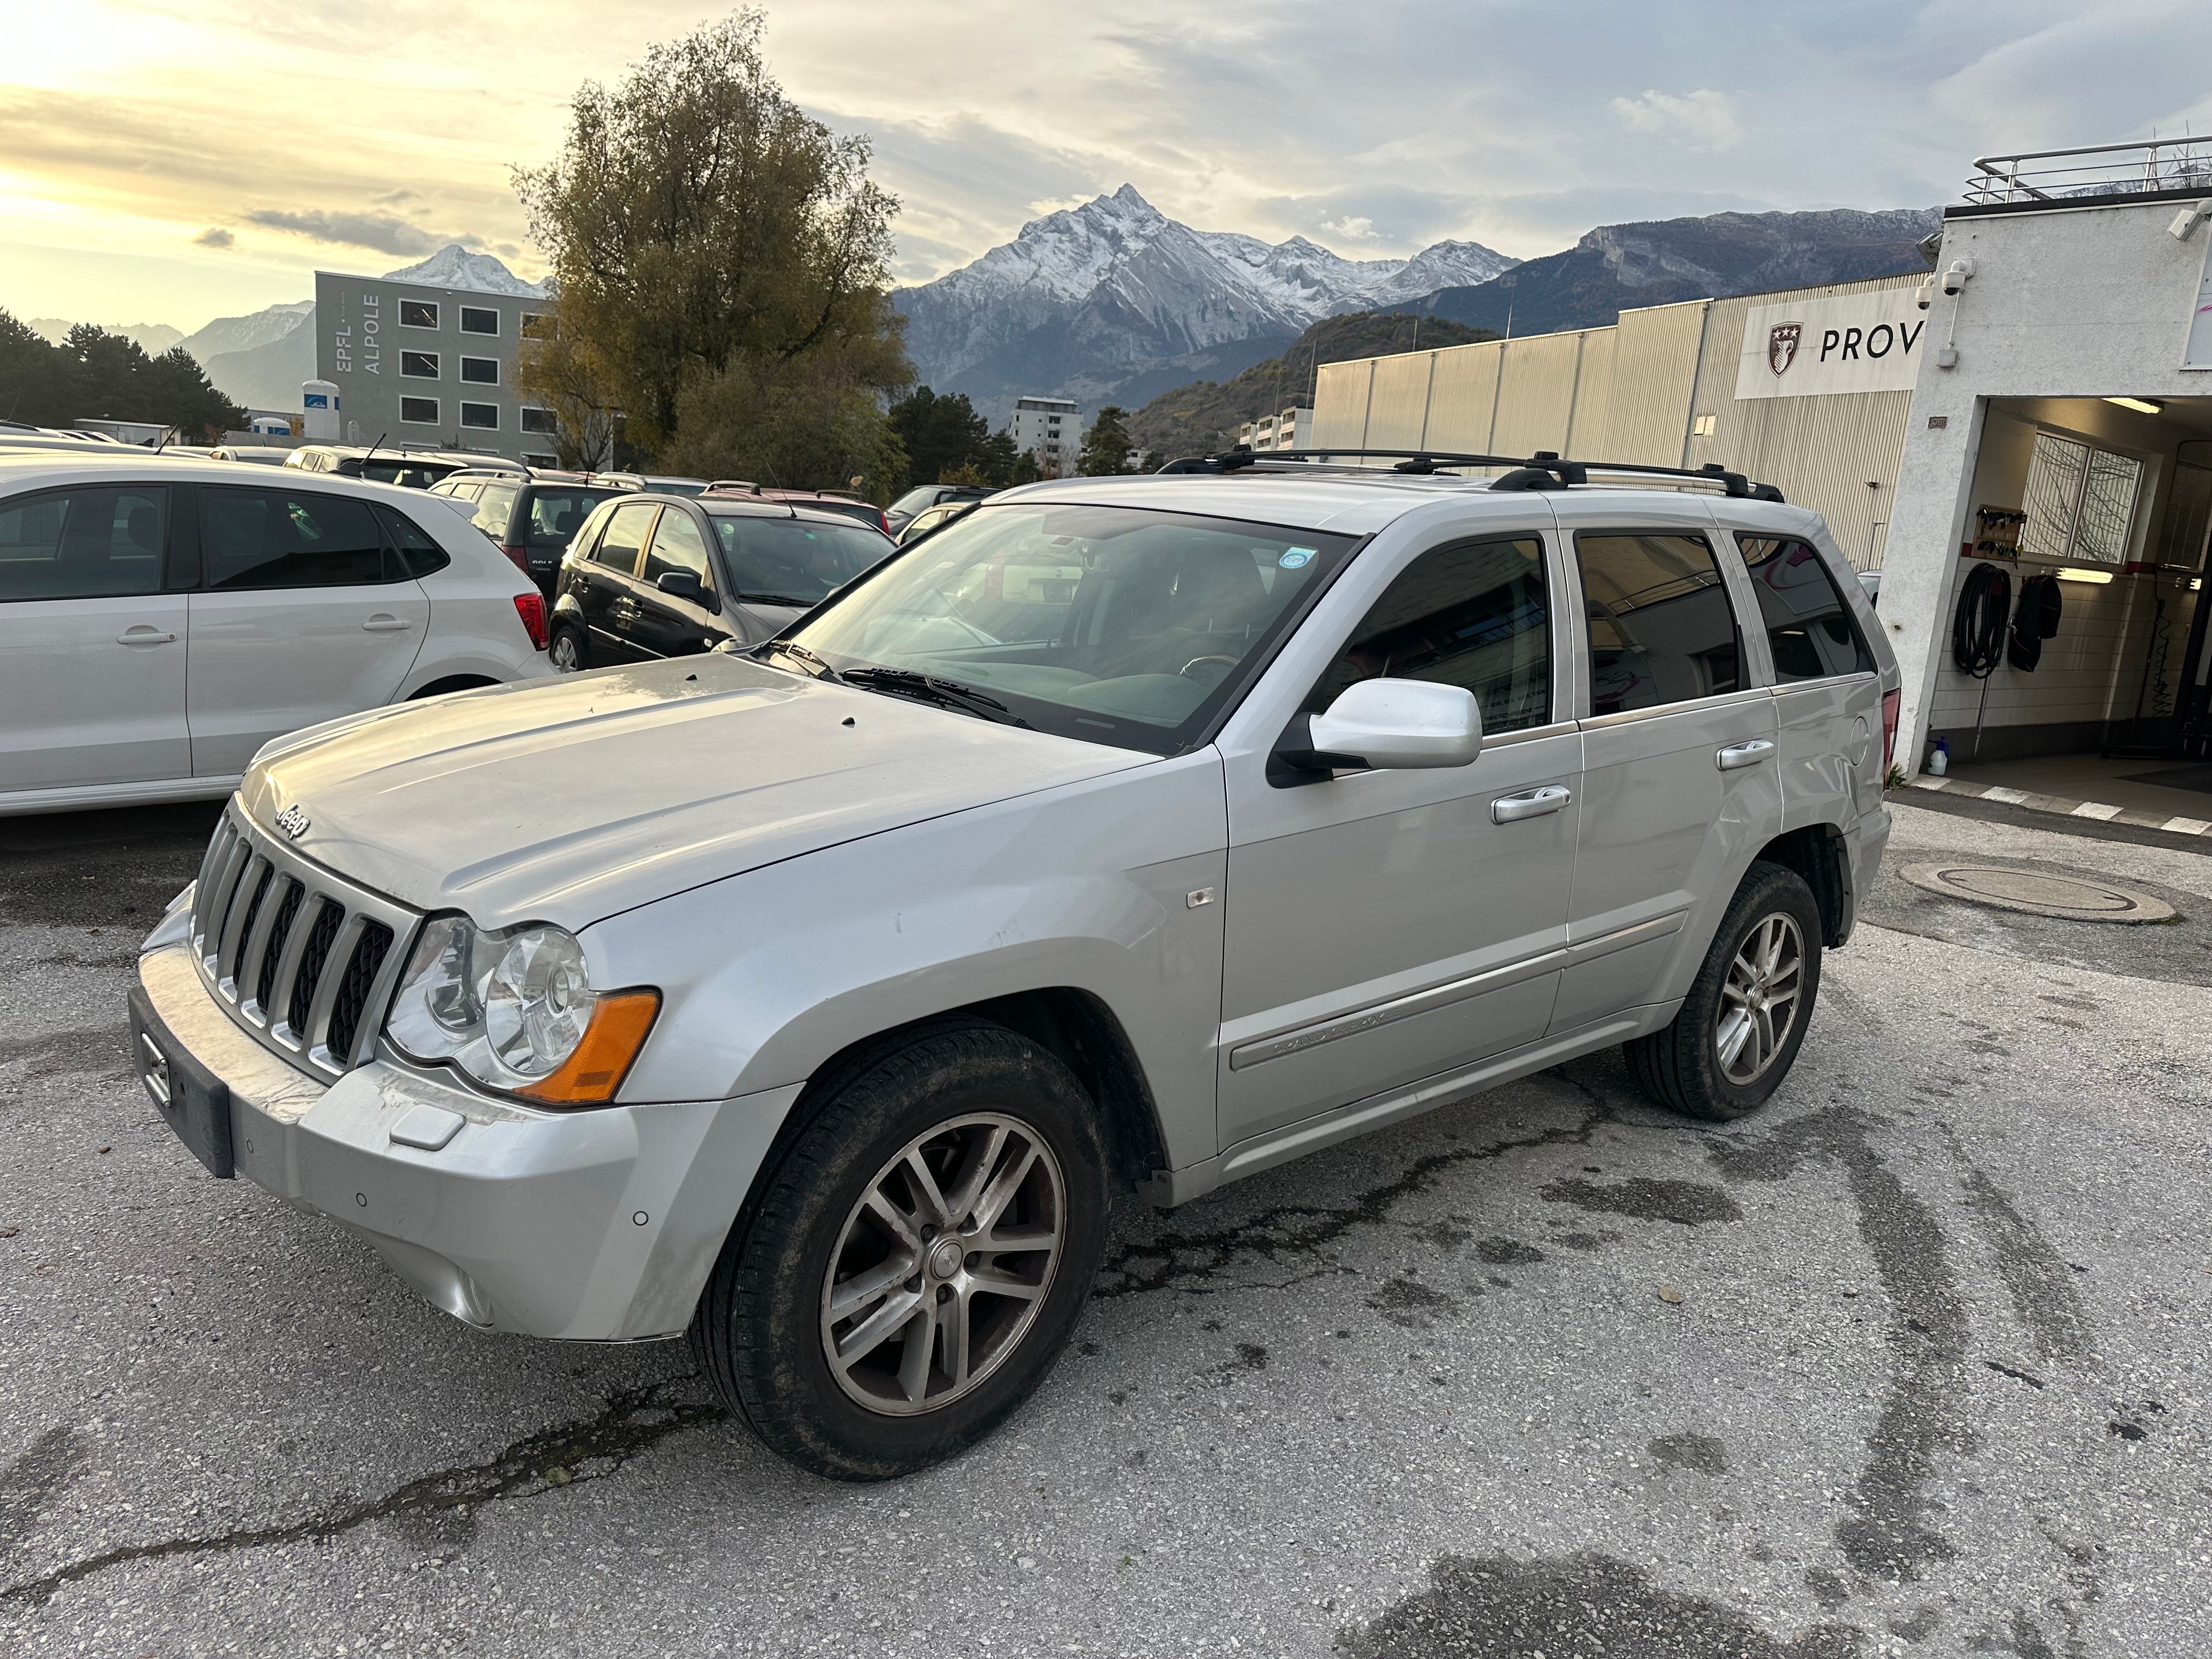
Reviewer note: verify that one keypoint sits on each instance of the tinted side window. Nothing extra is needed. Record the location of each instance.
(556, 515)
(1660, 631)
(1808, 627)
(676, 545)
(288, 538)
(418, 553)
(84, 543)
(625, 535)
(1473, 614)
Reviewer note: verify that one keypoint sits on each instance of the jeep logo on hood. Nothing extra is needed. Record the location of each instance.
(293, 822)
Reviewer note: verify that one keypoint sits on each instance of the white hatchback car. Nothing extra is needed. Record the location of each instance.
(162, 619)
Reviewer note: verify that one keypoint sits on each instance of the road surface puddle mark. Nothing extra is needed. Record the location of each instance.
(35, 1479)
(633, 1421)
(2041, 1282)
(1690, 1450)
(1581, 1606)
(1685, 1203)
(1507, 1252)
(1297, 1235)
(1887, 1535)
(1409, 1303)
(104, 1052)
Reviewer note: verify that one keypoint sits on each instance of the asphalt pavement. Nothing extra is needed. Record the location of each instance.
(1911, 1362)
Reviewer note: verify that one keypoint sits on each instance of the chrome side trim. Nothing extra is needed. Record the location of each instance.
(1555, 729)
(1387, 1013)
(1630, 716)
(1606, 944)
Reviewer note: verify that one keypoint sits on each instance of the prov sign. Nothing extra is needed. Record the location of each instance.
(1815, 347)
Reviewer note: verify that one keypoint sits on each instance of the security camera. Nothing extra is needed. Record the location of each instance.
(1924, 295)
(1956, 278)
(2185, 222)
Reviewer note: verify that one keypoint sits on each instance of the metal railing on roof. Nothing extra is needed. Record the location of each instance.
(2059, 175)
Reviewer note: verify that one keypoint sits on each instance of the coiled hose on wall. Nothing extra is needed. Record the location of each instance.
(1978, 629)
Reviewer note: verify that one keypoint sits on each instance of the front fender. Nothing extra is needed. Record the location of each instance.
(766, 976)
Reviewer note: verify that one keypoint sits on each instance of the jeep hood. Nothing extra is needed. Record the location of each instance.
(570, 800)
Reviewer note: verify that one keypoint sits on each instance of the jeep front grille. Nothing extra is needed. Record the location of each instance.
(303, 960)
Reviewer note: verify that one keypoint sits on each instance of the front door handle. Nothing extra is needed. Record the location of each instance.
(384, 623)
(144, 633)
(1510, 809)
(1743, 754)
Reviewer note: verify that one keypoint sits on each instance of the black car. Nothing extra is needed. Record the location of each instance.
(922, 497)
(532, 517)
(652, 576)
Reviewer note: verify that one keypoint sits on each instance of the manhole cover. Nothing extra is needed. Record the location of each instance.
(2075, 898)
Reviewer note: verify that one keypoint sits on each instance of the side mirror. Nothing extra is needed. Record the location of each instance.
(684, 585)
(1390, 725)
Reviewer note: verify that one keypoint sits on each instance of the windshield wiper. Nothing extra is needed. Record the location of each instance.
(776, 598)
(949, 694)
(820, 668)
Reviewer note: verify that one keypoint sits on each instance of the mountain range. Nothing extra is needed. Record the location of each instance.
(1113, 301)
(1659, 262)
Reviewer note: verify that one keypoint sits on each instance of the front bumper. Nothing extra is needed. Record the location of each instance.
(599, 1225)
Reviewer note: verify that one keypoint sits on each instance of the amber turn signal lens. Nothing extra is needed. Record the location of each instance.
(590, 1076)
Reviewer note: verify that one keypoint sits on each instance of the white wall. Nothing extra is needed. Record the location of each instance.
(2091, 302)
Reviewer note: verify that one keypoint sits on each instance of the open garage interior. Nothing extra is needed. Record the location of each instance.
(2076, 664)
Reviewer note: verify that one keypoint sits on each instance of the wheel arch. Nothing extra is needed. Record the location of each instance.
(1819, 854)
(450, 683)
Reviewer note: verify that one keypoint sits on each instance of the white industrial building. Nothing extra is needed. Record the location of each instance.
(2040, 401)
(1292, 428)
(1050, 431)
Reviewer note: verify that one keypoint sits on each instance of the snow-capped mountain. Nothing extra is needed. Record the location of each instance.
(454, 266)
(258, 328)
(1114, 300)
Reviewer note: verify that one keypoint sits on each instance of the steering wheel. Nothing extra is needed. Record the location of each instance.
(1185, 670)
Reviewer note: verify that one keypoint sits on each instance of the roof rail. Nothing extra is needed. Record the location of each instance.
(1545, 470)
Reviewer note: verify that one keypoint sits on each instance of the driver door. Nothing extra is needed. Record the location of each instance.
(1386, 926)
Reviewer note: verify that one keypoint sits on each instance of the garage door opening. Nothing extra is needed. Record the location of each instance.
(2076, 661)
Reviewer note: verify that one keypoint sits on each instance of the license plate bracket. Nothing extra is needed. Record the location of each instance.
(192, 1100)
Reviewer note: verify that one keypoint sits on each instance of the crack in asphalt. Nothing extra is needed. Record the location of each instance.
(631, 1421)
(1161, 1261)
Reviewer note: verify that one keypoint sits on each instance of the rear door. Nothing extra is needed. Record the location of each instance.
(665, 625)
(1827, 692)
(91, 648)
(606, 589)
(303, 614)
(1680, 783)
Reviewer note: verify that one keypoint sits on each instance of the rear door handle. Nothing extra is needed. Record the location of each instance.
(1743, 754)
(385, 624)
(1509, 809)
(144, 633)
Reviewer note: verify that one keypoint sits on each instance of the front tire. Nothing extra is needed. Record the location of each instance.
(916, 1259)
(1738, 1031)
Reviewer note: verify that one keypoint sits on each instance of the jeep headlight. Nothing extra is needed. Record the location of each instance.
(516, 1009)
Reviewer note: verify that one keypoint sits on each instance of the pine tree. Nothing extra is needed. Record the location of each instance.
(1106, 446)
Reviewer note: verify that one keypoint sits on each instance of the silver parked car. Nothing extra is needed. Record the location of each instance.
(1139, 831)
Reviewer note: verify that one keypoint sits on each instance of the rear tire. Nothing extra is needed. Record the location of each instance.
(866, 1321)
(1738, 1031)
(566, 650)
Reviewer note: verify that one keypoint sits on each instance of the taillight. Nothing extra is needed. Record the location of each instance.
(521, 558)
(530, 607)
(1891, 701)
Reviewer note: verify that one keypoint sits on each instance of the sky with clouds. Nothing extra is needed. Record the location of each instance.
(165, 161)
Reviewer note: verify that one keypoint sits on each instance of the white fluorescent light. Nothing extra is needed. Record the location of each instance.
(2069, 573)
(2141, 405)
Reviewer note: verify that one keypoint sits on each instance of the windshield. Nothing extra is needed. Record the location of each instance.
(556, 514)
(1119, 625)
(914, 499)
(793, 561)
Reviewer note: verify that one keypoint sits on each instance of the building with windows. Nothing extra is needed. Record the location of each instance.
(418, 364)
(1050, 429)
(1291, 430)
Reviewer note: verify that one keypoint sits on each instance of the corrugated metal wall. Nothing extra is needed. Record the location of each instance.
(1634, 392)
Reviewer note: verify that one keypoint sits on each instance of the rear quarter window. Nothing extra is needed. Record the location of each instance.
(1810, 630)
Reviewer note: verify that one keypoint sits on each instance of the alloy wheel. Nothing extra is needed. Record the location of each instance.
(941, 1267)
(564, 652)
(1760, 997)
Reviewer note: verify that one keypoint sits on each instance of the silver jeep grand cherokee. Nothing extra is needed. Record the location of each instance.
(1147, 830)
